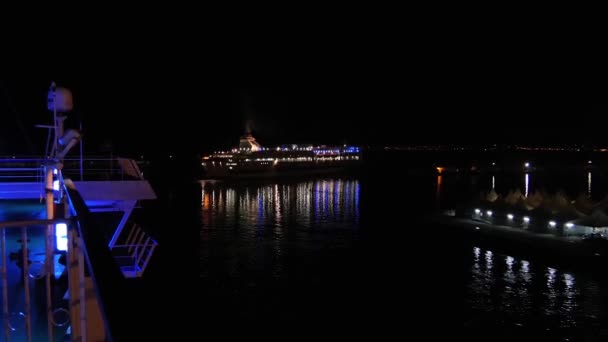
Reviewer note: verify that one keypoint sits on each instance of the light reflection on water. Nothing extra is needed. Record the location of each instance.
(256, 227)
(318, 204)
(526, 293)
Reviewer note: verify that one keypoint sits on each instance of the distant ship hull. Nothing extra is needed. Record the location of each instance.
(271, 172)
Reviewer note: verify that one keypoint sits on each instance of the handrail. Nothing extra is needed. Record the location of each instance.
(136, 251)
(25, 160)
(13, 224)
(20, 169)
(133, 245)
(24, 260)
(115, 168)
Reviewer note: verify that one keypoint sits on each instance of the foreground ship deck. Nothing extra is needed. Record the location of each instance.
(96, 227)
(67, 243)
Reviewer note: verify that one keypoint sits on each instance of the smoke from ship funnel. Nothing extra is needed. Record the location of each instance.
(247, 111)
(249, 126)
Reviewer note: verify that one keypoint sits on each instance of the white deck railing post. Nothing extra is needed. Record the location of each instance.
(26, 282)
(7, 329)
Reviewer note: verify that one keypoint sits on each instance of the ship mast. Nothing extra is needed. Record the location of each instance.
(59, 103)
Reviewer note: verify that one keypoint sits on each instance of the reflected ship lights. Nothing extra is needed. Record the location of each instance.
(309, 203)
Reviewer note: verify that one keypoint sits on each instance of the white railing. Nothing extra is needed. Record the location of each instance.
(135, 253)
(49, 319)
(30, 169)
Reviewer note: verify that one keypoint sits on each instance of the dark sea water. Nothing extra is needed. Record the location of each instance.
(355, 254)
(309, 255)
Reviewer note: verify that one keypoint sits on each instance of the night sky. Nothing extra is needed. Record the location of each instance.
(164, 106)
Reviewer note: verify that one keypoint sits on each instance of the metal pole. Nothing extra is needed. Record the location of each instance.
(48, 149)
(71, 260)
(7, 331)
(56, 137)
(26, 282)
(50, 214)
(48, 188)
(82, 281)
(143, 250)
(81, 160)
(49, 259)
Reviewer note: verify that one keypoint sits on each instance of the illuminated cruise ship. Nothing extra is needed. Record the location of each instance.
(251, 159)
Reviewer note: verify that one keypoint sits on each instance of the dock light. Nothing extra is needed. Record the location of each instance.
(510, 216)
(527, 164)
(589, 162)
(569, 225)
(489, 212)
(552, 224)
(477, 211)
(526, 219)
